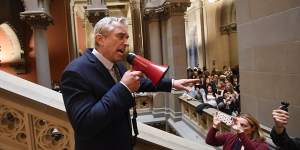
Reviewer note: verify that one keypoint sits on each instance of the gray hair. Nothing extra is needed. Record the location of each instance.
(107, 24)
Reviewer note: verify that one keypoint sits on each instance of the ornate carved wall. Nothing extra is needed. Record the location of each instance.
(211, 34)
(24, 125)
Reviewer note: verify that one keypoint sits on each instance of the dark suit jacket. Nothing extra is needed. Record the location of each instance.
(284, 142)
(98, 108)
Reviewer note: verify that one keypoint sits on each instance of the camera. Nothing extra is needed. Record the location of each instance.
(284, 106)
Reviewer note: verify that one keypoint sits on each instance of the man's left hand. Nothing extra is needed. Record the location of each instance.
(182, 84)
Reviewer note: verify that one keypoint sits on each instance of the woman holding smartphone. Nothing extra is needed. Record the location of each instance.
(248, 134)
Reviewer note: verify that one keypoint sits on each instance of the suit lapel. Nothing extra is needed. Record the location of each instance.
(99, 66)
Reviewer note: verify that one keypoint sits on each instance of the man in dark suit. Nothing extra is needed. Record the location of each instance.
(96, 99)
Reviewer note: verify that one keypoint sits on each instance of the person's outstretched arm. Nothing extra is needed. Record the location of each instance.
(278, 134)
(211, 137)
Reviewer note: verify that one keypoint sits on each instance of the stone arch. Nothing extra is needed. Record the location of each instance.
(10, 47)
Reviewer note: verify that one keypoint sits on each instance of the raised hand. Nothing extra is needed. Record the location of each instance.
(216, 121)
(236, 125)
(132, 80)
(280, 118)
(182, 84)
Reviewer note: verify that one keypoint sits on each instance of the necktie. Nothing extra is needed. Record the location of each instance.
(134, 114)
(116, 73)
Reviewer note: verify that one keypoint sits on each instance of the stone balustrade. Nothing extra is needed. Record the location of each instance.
(32, 116)
(200, 123)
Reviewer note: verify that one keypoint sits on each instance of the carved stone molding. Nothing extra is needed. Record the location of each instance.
(133, 4)
(175, 8)
(153, 15)
(144, 102)
(228, 29)
(12, 125)
(37, 19)
(49, 135)
(96, 10)
(167, 9)
(153, 12)
(94, 15)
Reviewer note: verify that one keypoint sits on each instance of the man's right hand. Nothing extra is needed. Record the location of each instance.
(280, 119)
(132, 80)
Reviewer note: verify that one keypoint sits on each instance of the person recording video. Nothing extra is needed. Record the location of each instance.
(278, 134)
(248, 134)
(97, 90)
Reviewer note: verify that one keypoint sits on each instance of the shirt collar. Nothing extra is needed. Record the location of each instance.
(108, 64)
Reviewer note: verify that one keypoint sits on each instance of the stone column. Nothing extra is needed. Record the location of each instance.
(154, 36)
(38, 16)
(96, 11)
(136, 26)
(153, 50)
(202, 36)
(175, 48)
(167, 44)
(175, 37)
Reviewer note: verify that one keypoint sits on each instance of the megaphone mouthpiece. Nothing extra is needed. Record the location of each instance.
(130, 57)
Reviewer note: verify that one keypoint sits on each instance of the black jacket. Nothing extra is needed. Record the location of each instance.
(284, 142)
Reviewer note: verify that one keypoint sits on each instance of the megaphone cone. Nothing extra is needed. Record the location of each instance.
(154, 72)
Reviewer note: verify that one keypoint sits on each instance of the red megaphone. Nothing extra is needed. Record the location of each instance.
(154, 72)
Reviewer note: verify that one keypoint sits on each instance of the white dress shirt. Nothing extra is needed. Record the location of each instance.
(108, 65)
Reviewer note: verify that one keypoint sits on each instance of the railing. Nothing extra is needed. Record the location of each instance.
(33, 117)
(200, 123)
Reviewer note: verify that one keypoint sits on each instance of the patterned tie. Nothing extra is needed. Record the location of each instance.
(134, 114)
(116, 72)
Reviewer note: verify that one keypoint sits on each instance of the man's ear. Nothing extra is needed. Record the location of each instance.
(99, 39)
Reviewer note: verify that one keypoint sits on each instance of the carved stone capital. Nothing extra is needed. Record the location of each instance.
(166, 9)
(95, 14)
(227, 29)
(175, 8)
(153, 11)
(37, 19)
(133, 4)
(152, 15)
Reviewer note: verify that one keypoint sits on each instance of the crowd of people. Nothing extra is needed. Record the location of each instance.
(217, 89)
(220, 90)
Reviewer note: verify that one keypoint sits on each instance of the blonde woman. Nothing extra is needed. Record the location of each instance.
(248, 134)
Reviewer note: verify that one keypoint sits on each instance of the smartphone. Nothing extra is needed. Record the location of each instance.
(284, 106)
(225, 118)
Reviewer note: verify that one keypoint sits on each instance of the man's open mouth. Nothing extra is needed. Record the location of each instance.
(121, 50)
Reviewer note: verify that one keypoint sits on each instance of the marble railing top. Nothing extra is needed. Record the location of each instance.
(31, 90)
(168, 140)
(194, 102)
